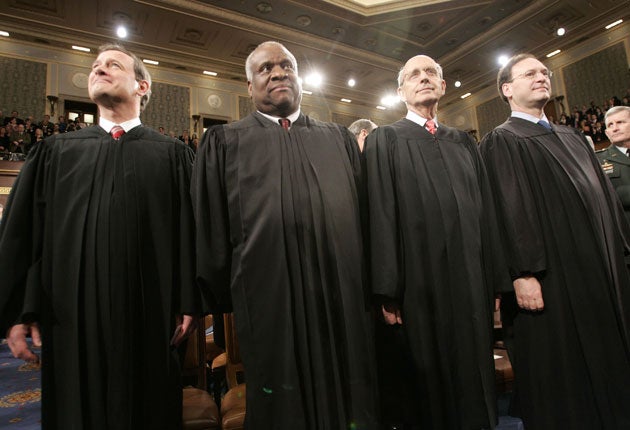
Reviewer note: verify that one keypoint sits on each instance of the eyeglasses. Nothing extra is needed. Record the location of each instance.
(531, 74)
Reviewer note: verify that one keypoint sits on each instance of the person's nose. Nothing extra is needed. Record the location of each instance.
(98, 70)
(278, 72)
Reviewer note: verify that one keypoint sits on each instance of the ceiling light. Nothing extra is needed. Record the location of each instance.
(502, 60)
(561, 31)
(389, 100)
(153, 62)
(80, 48)
(308, 93)
(463, 96)
(121, 31)
(351, 82)
(458, 84)
(209, 73)
(346, 100)
(4, 33)
(551, 54)
(314, 79)
(381, 107)
(612, 24)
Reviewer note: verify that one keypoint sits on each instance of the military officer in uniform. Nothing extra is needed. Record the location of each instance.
(615, 159)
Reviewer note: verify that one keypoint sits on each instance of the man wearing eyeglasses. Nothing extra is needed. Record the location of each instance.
(564, 236)
(433, 261)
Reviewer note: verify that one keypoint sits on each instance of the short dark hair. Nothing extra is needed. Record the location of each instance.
(141, 72)
(505, 73)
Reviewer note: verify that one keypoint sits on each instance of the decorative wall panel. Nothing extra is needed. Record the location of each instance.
(23, 87)
(245, 107)
(169, 107)
(490, 114)
(597, 77)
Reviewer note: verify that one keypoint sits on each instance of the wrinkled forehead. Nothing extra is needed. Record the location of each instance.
(113, 54)
(527, 64)
(417, 63)
(617, 116)
(271, 54)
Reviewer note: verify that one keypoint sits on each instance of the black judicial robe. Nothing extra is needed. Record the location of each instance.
(431, 241)
(561, 221)
(279, 242)
(98, 246)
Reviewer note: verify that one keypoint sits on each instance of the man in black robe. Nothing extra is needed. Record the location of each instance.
(564, 236)
(433, 263)
(279, 243)
(100, 231)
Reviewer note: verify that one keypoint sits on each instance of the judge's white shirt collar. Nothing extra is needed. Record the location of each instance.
(528, 117)
(107, 125)
(293, 117)
(421, 121)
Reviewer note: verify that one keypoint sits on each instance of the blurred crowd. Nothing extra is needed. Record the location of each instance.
(590, 119)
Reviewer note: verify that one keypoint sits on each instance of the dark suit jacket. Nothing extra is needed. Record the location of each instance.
(616, 165)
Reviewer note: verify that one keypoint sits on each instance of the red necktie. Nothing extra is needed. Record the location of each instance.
(116, 132)
(430, 126)
(285, 123)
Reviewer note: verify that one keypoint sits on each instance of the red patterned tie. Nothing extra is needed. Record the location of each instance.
(116, 132)
(285, 123)
(430, 126)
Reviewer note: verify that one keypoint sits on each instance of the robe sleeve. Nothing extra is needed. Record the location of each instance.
(21, 242)
(189, 292)
(517, 216)
(496, 273)
(385, 264)
(214, 248)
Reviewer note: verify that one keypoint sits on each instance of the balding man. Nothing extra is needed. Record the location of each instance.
(434, 266)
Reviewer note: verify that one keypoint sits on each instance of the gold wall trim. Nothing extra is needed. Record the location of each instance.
(5, 190)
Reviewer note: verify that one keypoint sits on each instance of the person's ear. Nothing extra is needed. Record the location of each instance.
(142, 87)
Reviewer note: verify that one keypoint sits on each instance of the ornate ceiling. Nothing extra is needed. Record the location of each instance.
(367, 40)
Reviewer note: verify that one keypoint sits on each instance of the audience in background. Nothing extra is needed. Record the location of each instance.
(589, 119)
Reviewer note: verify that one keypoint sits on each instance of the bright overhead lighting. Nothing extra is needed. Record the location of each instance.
(561, 31)
(80, 48)
(153, 62)
(121, 31)
(381, 107)
(389, 100)
(308, 93)
(209, 73)
(458, 84)
(346, 100)
(4, 33)
(351, 82)
(502, 60)
(612, 24)
(314, 79)
(552, 53)
(463, 96)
